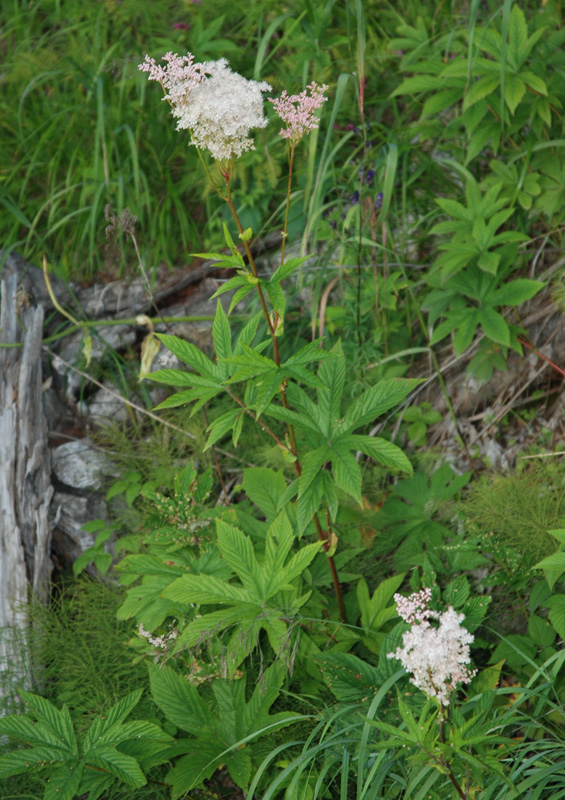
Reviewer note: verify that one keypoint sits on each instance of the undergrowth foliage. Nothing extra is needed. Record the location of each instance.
(266, 616)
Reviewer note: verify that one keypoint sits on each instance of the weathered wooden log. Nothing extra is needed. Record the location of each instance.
(25, 480)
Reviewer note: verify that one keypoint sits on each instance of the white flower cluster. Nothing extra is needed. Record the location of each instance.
(435, 656)
(218, 106)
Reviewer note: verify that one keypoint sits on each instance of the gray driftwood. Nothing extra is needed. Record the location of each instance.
(25, 481)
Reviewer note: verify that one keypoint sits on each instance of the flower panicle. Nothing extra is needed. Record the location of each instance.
(297, 111)
(436, 657)
(217, 106)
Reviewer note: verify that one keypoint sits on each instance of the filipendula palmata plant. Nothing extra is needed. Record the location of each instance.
(204, 99)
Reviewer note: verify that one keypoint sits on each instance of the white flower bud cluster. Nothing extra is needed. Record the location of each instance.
(436, 657)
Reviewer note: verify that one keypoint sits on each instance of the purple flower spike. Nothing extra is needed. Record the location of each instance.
(355, 197)
(379, 201)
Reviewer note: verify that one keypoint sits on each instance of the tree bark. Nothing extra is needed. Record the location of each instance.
(25, 484)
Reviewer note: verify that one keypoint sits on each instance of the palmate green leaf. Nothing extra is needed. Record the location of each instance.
(250, 364)
(115, 716)
(64, 783)
(375, 401)
(59, 722)
(237, 550)
(178, 700)
(118, 764)
(489, 261)
(386, 453)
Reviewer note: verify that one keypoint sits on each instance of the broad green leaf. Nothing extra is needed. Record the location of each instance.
(489, 261)
(188, 354)
(495, 326)
(481, 88)
(234, 283)
(239, 766)
(375, 401)
(220, 427)
(514, 91)
(114, 716)
(309, 503)
(63, 784)
(417, 84)
(311, 465)
(236, 549)
(517, 39)
(22, 729)
(176, 377)
(117, 764)
(278, 543)
(345, 469)
(294, 568)
(178, 700)
(556, 604)
(184, 398)
(19, 761)
(332, 375)
(239, 295)
(438, 102)
(455, 209)
(287, 269)
(250, 364)
(264, 487)
(300, 421)
(59, 721)
(386, 453)
(205, 589)
(213, 624)
(535, 83)
(515, 292)
(277, 298)
(221, 335)
(467, 325)
(349, 678)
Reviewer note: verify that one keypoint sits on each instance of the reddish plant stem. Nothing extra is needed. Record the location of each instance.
(322, 536)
